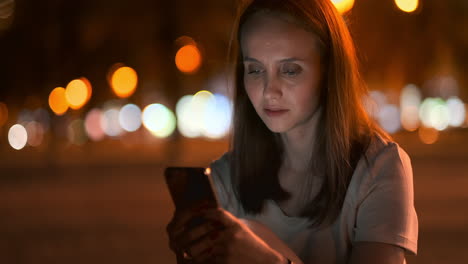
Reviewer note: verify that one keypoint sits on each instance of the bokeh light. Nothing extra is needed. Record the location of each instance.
(76, 132)
(217, 117)
(110, 122)
(159, 120)
(428, 135)
(188, 58)
(130, 117)
(434, 113)
(457, 111)
(185, 117)
(3, 114)
(35, 132)
(373, 102)
(343, 6)
(191, 113)
(123, 81)
(77, 93)
(17, 136)
(57, 101)
(410, 99)
(389, 118)
(204, 114)
(42, 116)
(93, 125)
(407, 6)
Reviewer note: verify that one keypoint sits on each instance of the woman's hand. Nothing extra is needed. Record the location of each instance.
(221, 238)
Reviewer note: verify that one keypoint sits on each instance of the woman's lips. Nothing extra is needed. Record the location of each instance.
(275, 112)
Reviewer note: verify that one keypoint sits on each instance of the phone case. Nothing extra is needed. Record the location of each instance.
(190, 186)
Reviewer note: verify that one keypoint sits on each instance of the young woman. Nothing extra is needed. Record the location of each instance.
(309, 177)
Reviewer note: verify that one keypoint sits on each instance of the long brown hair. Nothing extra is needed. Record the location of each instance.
(345, 129)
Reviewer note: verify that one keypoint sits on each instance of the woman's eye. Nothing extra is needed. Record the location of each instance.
(291, 70)
(254, 71)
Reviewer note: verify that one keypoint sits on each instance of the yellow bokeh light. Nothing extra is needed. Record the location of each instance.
(77, 93)
(188, 59)
(3, 114)
(124, 81)
(57, 101)
(343, 6)
(407, 5)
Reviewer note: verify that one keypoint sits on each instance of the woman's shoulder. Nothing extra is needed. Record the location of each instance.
(384, 162)
(383, 150)
(221, 164)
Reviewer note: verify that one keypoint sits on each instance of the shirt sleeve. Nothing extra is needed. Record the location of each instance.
(220, 175)
(386, 210)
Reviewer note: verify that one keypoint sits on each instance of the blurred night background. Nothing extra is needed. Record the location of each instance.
(98, 97)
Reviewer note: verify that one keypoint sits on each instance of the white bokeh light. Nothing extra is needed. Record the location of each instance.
(389, 118)
(130, 117)
(159, 120)
(457, 111)
(110, 122)
(185, 116)
(440, 117)
(17, 136)
(434, 113)
(204, 114)
(217, 117)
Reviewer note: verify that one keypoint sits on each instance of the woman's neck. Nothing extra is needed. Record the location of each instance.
(299, 144)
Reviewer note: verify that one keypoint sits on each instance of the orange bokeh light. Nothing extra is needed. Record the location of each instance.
(428, 135)
(57, 101)
(188, 59)
(77, 93)
(3, 114)
(124, 81)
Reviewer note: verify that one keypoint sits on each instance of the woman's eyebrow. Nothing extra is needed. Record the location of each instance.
(291, 59)
(246, 58)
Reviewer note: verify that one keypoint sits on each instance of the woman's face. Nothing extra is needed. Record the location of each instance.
(282, 72)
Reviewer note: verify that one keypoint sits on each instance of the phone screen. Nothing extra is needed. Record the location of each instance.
(190, 186)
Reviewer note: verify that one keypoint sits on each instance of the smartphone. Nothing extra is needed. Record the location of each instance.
(190, 186)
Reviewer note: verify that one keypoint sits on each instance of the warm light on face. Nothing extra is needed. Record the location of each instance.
(343, 6)
(57, 101)
(188, 59)
(407, 6)
(77, 93)
(124, 81)
(3, 114)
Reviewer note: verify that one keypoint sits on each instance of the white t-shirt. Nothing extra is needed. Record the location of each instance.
(378, 207)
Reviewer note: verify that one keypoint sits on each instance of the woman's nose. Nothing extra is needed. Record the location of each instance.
(272, 89)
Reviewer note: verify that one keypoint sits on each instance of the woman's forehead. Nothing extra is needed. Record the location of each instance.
(266, 31)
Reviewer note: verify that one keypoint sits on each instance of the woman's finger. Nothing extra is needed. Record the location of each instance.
(221, 216)
(196, 233)
(181, 218)
(206, 248)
